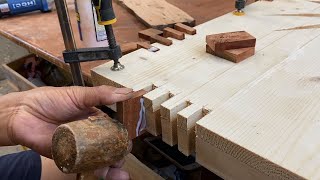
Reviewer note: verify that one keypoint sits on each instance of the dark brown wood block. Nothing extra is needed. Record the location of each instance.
(230, 40)
(184, 28)
(233, 55)
(147, 33)
(128, 112)
(169, 32)
(238, 55)
(153, 35)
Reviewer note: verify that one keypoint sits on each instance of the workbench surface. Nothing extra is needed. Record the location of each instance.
(257, 119)
(40, 32)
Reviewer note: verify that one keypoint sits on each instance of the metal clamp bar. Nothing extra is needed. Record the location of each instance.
(91, 54)
(68, 39)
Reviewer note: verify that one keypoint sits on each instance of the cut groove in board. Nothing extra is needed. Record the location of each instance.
(279, 110)
(300, 15)
(157, 14)
(302, 27)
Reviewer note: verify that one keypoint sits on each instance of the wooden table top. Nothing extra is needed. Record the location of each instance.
(40, 32)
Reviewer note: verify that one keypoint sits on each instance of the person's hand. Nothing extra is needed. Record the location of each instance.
(113, 172)
(35, 114)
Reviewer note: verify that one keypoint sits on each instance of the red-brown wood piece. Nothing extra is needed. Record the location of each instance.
(129, 111)
(169, 32)
(128, 47)
(184, 28)
(153, 35)
(230, 40)
(233, 55)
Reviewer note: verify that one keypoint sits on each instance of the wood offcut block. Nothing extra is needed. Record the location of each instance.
(230, 40)
(233, 46)
(169, 32)
(233, 55)
(184, 28)
(238, 55)
(129, 47)
(154, 35)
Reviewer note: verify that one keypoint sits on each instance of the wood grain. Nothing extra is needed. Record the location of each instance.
(271, 123)
(169, 32)
(138, 170)
(193, 78)
(186, 67)
(157, 14)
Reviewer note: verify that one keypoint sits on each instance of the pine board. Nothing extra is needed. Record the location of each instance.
(272, 124)
(184, 76)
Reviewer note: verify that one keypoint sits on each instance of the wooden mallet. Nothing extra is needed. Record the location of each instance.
(90, 144)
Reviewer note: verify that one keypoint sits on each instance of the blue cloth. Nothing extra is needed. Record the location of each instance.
(25, 165)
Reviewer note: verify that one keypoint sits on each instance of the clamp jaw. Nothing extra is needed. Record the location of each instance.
(105, 17)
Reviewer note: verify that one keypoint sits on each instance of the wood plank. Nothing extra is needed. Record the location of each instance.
(157, 14)
(138, 170)
(225, 166)
(19, 81)
(232, 81)
(180, 62)
(272, 125)
(227, 84)
(14, 77)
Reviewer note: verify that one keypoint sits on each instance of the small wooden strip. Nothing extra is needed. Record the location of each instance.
(129, 47)
(161, 40)
(184, 28)
(147, 46)
(145, 34)
(169, 32)
(153, 35)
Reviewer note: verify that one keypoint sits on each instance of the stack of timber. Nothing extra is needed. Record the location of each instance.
(257, 119)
